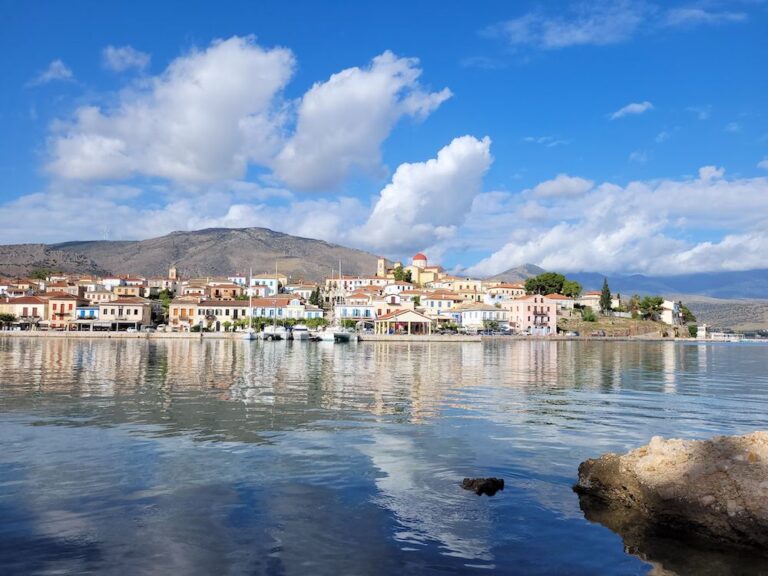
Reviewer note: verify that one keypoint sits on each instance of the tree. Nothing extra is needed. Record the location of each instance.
(605, 297)
(399, 274)
(688, 316)
(227, 325)
(41, 273)
(588, 315)
(6, 319)
(315, 298)
(316, 322)
(693, 330)
(490, 325)
(650, 307)
(546, 283)
(408, 277)
(571, 288)
(165, 297)
(417, 300)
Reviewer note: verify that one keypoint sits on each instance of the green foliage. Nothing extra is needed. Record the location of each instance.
(688, 316)
(451, 326)
(417, 300)
(41, 273)
(408, 277)
(7, 318)
(588, 315)
(605, 297)
(546, 283)
(650, 307)
(315, 322)
(490, 325)
(226, 325)
(315, 298)
(634, 304)
(399, 274)
(347, 323)
(571, 288)
(693, 330)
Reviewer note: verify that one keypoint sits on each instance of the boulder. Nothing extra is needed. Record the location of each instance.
(482, 486)
(714, 492)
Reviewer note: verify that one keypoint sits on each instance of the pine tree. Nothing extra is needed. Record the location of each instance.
(605, 297)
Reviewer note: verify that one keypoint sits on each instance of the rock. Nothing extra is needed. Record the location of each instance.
(483, 485)
(708, 491)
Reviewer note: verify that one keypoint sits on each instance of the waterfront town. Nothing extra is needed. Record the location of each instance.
(417, 298)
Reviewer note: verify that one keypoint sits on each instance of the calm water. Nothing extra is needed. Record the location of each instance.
(188, 457)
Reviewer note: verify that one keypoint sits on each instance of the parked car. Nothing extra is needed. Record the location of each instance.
(598, 333)
(572, 333)
(130, 330)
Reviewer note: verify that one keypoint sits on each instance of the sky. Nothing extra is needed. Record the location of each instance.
(610, 136)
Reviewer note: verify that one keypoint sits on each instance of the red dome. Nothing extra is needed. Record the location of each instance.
(420, 256)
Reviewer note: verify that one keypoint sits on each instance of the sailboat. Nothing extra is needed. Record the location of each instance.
(249, 333)
(275, 332)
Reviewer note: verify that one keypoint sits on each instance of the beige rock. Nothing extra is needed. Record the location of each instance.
(713, 490)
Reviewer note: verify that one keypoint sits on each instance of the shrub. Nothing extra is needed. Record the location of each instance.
(588, 315)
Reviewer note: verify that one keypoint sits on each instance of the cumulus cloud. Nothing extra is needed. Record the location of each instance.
(426, 201)
(201, 120)
(123, 58)
(641, 227)
(763, 163)
(563, 185)
(632, 109)
(56, 70)
(343, 121)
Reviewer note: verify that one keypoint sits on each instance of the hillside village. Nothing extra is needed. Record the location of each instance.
(416, 298)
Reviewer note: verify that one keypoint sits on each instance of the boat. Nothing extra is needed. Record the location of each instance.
(274, 332)
(300, 332)
(249, 333)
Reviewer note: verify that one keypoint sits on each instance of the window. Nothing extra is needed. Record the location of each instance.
(55, 306)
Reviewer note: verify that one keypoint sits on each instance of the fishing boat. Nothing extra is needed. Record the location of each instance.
(249, 333)
(300, 332)
(274, 332)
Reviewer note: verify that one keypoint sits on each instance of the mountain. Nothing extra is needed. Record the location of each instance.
(518, 274)
(213, 251)
(728, 285)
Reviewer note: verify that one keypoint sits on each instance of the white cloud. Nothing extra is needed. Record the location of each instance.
(593, 23)
(547, 141)
(426, 201)
(56, 70)
(124, 57)
(201, 120)
(701, 112)
(563, 185)
(638, 156)
(763, 163)
(632, 109)
(641, 227)
(662, 136)
(694, 16)
(342, 122)
(732, 127)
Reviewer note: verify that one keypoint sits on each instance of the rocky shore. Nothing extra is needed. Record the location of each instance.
(714, 492)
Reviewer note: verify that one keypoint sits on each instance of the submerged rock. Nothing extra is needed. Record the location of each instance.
(711, 491)
(483, 485)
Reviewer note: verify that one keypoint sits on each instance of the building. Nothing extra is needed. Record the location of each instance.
(475, 317)
(125, 313)
(534, 314)
(671, 313)
(29, 311)
(182, 312)
(403, 322)
(62, 307)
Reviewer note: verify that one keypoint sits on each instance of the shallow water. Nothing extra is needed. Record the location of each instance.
(181, 456)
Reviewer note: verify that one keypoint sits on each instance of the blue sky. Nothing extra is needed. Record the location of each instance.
(611, 136)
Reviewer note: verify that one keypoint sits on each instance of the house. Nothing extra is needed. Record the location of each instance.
(29, 311)
(96, 297)
(534, 314)
(358, 305)
(303, 291)
(273, 282)
(62, 309)
(592, 299)
(439, 304)
(474, 317)
(65, 287)
(403, 322)
(223, 291)
(395, 287)
(671, 313)
(506, 290)
(213, 314)
(182, 312)
(129, 291)
(126, 313)
(283, 308)
(562, 302)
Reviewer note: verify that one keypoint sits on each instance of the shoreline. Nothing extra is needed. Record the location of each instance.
(363, 338)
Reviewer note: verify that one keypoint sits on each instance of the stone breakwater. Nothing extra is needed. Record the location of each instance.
(714, 491)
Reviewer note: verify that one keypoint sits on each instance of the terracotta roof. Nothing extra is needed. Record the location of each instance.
(420, 256)
(225, 303)
(558, 297)
(60, 296)
(25, 300)
(401, 312)
(127, 300)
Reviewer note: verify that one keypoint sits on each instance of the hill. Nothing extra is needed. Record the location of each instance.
(213, 251)
(518, 274)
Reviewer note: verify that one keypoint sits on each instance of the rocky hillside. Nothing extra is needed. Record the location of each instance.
(212, 251)
(21, 259)
(518, 273)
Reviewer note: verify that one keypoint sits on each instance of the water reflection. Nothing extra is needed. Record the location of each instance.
(226, 456)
